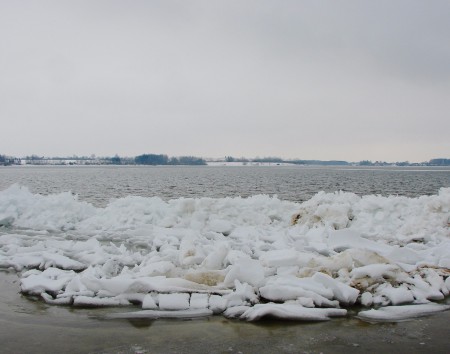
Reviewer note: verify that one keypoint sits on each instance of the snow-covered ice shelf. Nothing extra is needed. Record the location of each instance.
(244, 258)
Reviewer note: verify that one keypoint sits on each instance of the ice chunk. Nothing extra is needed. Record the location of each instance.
(52, 280)
(243, 294)
(375, 271)
(223, 226)
(286, 289)
(290, 312)
(397, 296)
(308, 284)
(217, 303)
(340, 240)
(422, 290)
(189, 253)
(216, 258)
(343, 293)
(447, 283)
(156, 268)
(172, 302)
(62, 262)
(236, 311)
(279, 258)
(435, 280)
(199, 301)
(58, 301)
(366, 299)
(399, 313)
(208, 277)
(21, 261)
(149, 302)
(364, 257)
(160, 284)
(245, 270)
(444, 262)
(404, 255)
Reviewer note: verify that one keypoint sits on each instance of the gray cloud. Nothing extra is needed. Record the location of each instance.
(308, 79)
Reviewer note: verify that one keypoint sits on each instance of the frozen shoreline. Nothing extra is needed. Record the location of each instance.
(247, 258)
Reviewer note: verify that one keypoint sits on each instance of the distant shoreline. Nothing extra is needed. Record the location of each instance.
(243, 165)
(165, 160)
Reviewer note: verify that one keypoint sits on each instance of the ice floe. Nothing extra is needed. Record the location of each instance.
(401, 313)
(246, 258)
(290, 312)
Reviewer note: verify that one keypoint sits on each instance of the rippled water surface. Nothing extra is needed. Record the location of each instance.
(99, 184)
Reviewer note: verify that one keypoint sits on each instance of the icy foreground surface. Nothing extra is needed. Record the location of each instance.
(244, 258)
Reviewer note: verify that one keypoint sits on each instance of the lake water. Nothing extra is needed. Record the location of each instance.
(99, 184)
(27, 324)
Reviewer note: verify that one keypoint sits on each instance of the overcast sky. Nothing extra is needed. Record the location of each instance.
(347, 80)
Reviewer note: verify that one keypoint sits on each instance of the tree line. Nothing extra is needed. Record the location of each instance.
(8, 160)
(145, 159)
(154, 159)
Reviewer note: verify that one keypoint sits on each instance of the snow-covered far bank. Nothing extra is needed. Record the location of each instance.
(244, 258)
(247, 163)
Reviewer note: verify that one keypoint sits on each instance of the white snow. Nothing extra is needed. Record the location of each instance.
(230, 255)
